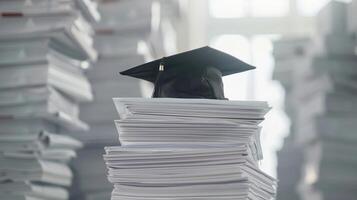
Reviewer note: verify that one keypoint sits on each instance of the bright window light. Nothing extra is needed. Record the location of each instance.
(262, 48)
(264, 8)
(257, 85)
(236, 85)
(268, 90)
(310, 7)
(227, 8)
(236, 45)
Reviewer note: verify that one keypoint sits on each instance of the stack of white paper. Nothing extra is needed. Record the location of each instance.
(291, 57)
(104, 76)
(10, 190)
(35, 165)
(352, 24)
(44, 47)
(188, 148)
(329, 157)
(290, 158)
(321, 98)
(130, 33)
(90, 177)
(124, 23)
(134, 19)
(51, 69)
(60, 21)
(332, 19)
(190, 122)
(119, 40)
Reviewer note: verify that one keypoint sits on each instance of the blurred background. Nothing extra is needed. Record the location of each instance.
(304, 51)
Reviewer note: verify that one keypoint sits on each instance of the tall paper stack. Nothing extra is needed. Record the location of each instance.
(123, 39)
(330, 157)
(352, 15)
(290, 159)
(325, 98)
(291, 58)
(44, 46)
(188, 149)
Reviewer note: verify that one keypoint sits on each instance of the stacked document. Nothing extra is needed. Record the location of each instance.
(110, 38)
(35, 165)
(122, 41)
(63, 22)
(50, 68)
(352, 24)
(290, 159)
(89, 174)
(44, 48)
(133, 19)
(124, 23)
(188, 149)
(290, 56)
(321, 102)
(331, 112)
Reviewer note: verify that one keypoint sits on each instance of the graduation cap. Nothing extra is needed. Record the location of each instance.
(192, 74)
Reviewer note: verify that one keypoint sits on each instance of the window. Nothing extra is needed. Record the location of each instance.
(227, 8)
(256, 51)
(252, 46)
(310, 7)
(262, 48)
(267, 90)
(264, 8)
(244, 8)
(257, 85)
(239, 47)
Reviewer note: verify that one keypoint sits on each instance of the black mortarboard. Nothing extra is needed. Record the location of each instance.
(191, 74)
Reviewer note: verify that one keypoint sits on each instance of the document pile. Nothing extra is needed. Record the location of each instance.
(290, 55)
(352, 14)
(290, 159)
(188, 148)
(35, 165)
(323, 99)
(44, 46)
(332, 112)
(123, 24)
(110, 37)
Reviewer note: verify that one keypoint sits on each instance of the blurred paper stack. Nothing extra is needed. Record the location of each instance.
(330, 155)
(290, 159)
(122, 27)
(44, 46)
(188, 148)
(124, 38)
(352, 15)
(323, 93)
(34, 165)
(290, 59)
